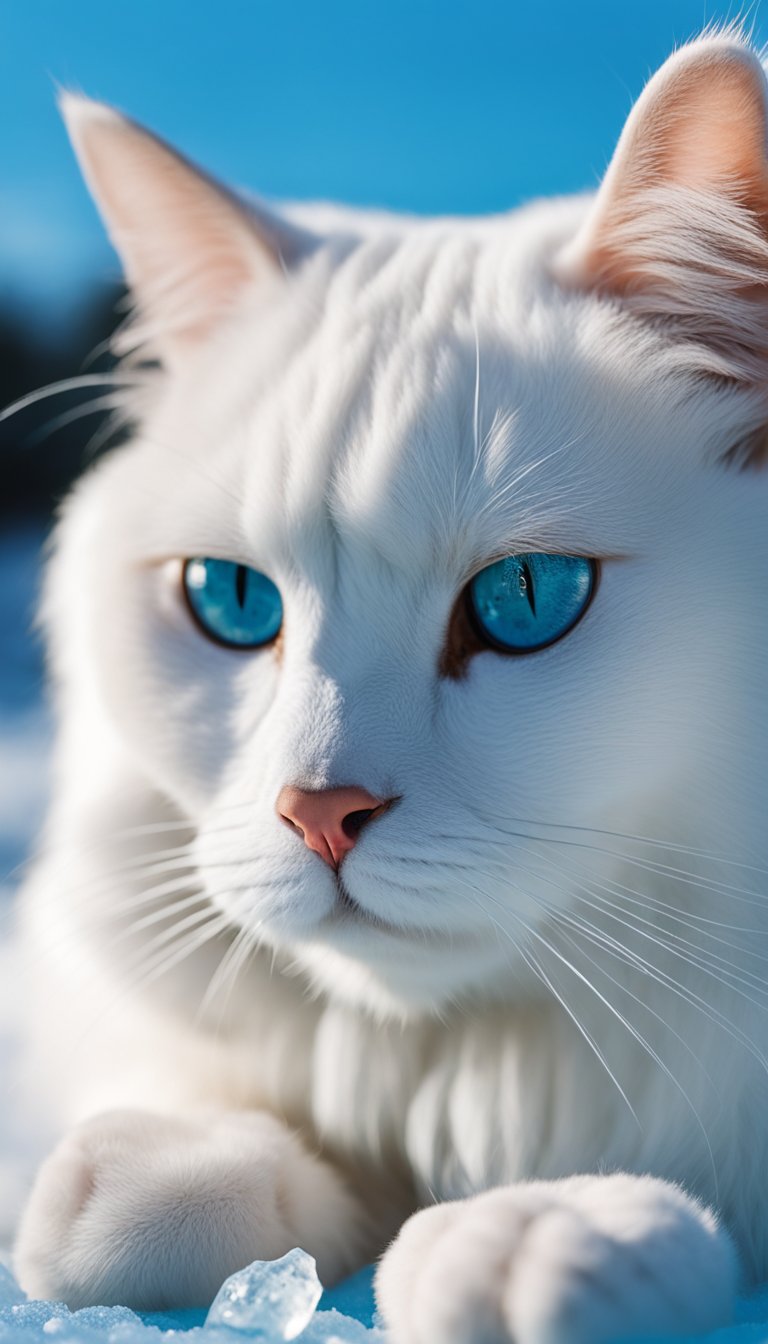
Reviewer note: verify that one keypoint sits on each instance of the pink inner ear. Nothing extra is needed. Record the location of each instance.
(699, 127)
(188, 246)
(679, 229)
(712, 129)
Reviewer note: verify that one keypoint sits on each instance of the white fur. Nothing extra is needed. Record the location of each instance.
(559, 964)
(589, 1260)
(170, 1206)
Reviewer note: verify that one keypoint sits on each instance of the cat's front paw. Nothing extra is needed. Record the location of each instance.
(153, 1212)
(581, 1261)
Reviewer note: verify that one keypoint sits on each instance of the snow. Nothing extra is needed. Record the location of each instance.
(284, 1294)
(268, 1302)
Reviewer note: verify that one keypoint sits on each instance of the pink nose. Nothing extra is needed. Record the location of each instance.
(329, 820)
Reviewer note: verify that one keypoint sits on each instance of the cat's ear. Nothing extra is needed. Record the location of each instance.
(679, 227)
(189, 247)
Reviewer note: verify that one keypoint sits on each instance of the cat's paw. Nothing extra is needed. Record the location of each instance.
(152, 1212)
(582, 1261)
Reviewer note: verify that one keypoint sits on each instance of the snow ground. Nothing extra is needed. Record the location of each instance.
(265, 1302)
(24, 746)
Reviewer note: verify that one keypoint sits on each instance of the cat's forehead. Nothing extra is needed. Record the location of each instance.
(431, 393)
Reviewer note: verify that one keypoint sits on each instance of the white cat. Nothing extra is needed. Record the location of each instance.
(409, 839)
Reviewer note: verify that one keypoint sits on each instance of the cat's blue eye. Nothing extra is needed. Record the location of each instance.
(234, 604)
(525, 602)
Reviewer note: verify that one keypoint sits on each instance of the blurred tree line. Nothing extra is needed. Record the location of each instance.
(45, 446)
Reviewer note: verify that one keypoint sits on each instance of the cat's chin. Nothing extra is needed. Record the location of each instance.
(420, 981)
(401, 973)
(393, 967)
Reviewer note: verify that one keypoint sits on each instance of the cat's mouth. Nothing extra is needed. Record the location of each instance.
(345, 899)
(353, 927)
(347, 908)
(348, 912)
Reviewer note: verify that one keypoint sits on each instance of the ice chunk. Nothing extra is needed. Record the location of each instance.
(271, 1299)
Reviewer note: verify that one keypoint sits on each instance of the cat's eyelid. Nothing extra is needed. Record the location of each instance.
(160, 561)
(597, 558)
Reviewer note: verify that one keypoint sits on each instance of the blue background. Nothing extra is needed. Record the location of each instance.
(423, 105)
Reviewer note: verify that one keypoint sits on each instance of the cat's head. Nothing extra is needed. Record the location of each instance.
(355, 418)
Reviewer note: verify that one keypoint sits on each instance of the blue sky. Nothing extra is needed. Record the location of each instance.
(426, 105)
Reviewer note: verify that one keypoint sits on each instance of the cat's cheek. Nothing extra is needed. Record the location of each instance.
(198, 700)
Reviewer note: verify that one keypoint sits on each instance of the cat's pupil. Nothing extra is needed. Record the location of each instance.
(526, 586)
(241, 581)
